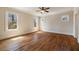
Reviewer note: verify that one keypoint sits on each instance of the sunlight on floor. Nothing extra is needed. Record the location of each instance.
(39, 32)
(17, 38)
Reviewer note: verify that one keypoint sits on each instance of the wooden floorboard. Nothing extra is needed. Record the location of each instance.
(40, 41)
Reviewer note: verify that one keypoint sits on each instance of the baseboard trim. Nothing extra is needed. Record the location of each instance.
(58, 33)
(18, 35)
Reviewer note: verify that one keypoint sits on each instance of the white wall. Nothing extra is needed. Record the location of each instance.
(53, 23)
(77, 26)
(25, 23)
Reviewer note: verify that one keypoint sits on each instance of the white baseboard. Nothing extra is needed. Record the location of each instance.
(58, 32)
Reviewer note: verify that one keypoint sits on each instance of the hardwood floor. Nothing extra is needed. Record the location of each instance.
(40, 41)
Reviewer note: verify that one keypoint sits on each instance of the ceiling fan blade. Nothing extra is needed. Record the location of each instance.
(46, 11)
(47, 8)
(42, 8)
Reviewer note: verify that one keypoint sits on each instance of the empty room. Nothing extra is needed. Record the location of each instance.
(39, 29)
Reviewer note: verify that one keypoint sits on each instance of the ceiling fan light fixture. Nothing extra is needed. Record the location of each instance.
(43, 10)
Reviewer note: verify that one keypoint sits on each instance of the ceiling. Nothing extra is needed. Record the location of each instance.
(52, 10)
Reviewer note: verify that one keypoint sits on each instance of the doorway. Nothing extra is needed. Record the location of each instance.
(36, 24)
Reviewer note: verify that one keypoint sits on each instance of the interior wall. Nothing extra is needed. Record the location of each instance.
(25, 23)
(53, 23)
(77, 26)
